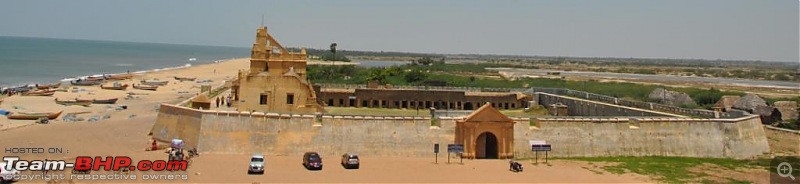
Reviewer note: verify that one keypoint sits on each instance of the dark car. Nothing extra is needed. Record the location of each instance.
(312, 160)
(350, 161)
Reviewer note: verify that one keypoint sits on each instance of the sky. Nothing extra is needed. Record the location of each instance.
(681, 29)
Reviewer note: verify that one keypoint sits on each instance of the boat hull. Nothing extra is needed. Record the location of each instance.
(34, 116)
(123, 87)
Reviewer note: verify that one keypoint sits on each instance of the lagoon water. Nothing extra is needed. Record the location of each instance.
(44, 60)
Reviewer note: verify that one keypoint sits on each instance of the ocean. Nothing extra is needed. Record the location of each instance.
(26, 60)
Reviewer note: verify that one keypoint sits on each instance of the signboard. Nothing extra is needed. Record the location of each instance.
(540, 147)
(436, 148)
(536, 142)
(351, 97)
(455, 148)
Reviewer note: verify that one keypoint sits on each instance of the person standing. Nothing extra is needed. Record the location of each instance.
(217, 102)
(229, 101)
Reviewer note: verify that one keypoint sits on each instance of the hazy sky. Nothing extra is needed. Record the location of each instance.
(725, 29)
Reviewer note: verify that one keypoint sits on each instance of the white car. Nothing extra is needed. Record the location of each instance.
(256, 164)
(7, 175)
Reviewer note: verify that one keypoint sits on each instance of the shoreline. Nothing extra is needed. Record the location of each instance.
(66, 80)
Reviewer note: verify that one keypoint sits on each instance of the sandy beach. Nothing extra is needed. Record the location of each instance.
(125, 134)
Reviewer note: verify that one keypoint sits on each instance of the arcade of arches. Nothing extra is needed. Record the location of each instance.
(486, 133)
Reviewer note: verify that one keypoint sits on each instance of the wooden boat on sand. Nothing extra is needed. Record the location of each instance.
(39, 93)
(96, 78)
(154, 82)
(48, 86)
(73, 102)
(85, 82)
(105, 101)
(120, 76)
(34, 116)
(185, 78)
(115, 87)
(145, 87)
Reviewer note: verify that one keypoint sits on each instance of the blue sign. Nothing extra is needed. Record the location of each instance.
(540, 147)
(455, 148)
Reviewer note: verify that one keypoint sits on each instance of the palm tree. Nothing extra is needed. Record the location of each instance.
(333, 50)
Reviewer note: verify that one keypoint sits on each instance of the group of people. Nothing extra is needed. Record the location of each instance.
(224, 101)
(14, 91)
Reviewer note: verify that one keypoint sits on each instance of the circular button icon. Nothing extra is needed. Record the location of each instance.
(785, 170)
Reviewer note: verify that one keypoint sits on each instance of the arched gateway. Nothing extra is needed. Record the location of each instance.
(486, 133)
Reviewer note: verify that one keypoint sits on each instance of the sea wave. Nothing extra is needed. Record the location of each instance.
(123, 64)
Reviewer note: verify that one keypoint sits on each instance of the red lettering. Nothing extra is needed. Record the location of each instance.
(83, 163)
(144, 165)
(99, 162)
(176, 165)
(159, 165)
(121, 162)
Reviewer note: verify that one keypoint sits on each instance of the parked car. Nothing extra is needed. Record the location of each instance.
(256, 164)
(7, 175)
(312, 160)
(350, 161)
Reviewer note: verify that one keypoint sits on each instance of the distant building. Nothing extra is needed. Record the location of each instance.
(768, 114)
(420, 98)
(671, 97)
(749, 103)
(788, 109)
(726, 102)
(276, 81)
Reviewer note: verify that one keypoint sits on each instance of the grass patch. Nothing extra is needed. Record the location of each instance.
(215, 92)
(670, 169)
(435, 122)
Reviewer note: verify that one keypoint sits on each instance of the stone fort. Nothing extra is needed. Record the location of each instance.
(277, 109)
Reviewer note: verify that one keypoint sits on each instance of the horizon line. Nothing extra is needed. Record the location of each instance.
(422, 53)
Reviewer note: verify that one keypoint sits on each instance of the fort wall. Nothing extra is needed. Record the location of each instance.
(591, 137)
(283, 134)
(583, 107)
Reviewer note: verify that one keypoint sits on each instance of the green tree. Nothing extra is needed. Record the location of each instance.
(377, 74)
(415, 76)
(424, 61)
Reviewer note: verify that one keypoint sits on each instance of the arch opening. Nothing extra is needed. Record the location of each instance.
(486, 146)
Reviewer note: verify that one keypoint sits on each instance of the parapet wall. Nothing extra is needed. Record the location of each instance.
(292, 135)
(228, 132)
(588, 137)
(582, 107)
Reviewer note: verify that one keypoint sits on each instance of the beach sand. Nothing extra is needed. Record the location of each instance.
(125, 134)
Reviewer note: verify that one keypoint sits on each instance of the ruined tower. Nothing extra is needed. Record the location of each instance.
(276, 81)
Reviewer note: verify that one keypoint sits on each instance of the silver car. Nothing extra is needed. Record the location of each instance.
(350, 161)
(256, 164)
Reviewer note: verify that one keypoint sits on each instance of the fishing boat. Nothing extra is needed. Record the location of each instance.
(120, 76)
(80, 82)
(34, 116)
(145, 87)
(48, 86)
(96, 78)
(115, 87)
(73, 102)
(185, 78)
(105, 101)
(154, 82)
(39, 93)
